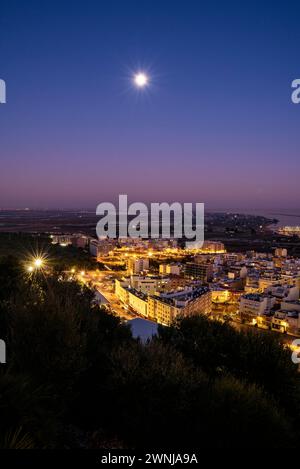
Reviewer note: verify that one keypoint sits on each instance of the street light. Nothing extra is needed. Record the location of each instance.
(38, 263)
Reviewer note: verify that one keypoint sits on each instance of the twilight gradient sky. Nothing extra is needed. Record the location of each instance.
(217, 124)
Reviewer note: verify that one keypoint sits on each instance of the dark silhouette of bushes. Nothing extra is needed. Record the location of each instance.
(75, 377)
(251, 356)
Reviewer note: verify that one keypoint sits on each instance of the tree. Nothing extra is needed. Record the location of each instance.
(252, 356)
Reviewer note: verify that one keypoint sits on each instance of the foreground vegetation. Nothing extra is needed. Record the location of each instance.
(76, 378)
(24, 246)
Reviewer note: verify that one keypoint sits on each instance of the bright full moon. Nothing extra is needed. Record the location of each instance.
(141, 80)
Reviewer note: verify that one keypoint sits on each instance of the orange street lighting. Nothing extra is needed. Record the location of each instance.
(38, 263)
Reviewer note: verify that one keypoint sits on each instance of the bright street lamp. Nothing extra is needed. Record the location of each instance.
(38, 263)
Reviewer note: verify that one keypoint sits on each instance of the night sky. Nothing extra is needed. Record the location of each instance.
(215, 125)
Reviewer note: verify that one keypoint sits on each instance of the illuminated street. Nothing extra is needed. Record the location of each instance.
(103, 282)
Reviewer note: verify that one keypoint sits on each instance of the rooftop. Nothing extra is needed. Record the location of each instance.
(185, 296)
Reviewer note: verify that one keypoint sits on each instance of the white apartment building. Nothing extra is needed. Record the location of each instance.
(286, 322)
(165, 308)
(252, 284)
(169, 269)
(280, 292)
(290, 305)
(253, 305)
(137, 265)
(147, 285)
(101, 247)
(267, 281)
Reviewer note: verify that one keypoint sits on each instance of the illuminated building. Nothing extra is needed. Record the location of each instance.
(148, 285)
(63, 240)
(289, 230)
(220, 295)
(203, 272)
(286, 322)
(253, 305)
(167, 307)
(137, 265)
(80, 241)
(210, 247)
(213, 247)
(281, 252)
(170, 269)
(101, 247)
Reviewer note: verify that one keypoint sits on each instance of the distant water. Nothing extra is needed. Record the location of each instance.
(288, 218)
(285, 217)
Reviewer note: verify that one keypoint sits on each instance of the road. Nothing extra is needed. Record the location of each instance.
(103, 281)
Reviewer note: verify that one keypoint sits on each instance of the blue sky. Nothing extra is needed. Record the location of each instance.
(216, 124)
